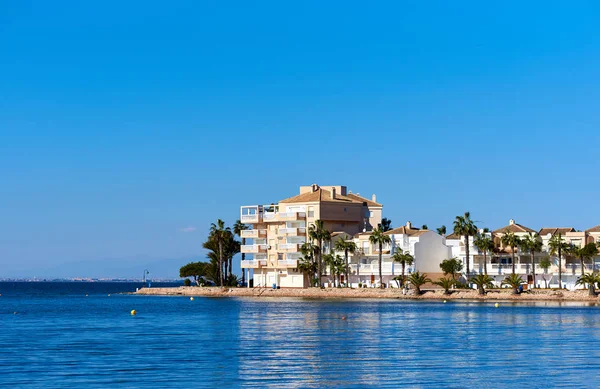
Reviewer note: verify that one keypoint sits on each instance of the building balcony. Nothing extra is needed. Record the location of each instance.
(253, 248)
(253, 234)
(250, 214)
(271, 217)
(289, 247)
(292, 231)
(254, 263)
(291, 216)
(289, 263)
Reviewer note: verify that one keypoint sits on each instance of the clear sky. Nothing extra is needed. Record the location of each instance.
(127, 127)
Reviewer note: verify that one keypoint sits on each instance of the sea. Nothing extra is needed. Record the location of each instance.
(83, 335)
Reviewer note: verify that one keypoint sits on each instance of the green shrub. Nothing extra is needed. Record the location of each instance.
(187, 282)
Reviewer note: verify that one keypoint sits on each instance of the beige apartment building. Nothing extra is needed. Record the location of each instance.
(279, 230)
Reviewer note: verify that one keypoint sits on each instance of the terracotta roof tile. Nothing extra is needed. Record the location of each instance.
(453, 236)
(513, 228)
(594, 229)
(361, 199)
(317, 196)
(402, 230)
(555, 230)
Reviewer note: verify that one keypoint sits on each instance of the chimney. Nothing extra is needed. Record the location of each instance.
(315, 187)
(333, 193)
(408, 225)
(511, 221)
(374, 198)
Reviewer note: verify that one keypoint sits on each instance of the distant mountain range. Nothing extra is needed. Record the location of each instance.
(110, 268)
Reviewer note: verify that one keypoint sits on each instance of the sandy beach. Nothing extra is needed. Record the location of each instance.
(342, 293)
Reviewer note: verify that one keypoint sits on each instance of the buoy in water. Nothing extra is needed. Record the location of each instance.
(191, 299)
(86, 295)
(343, 317)
(496, 305)
(109, 295)
(133, 312)
(15, 313)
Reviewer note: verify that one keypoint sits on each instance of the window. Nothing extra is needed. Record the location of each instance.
(369, 214)
(311, 211)
(345, 209)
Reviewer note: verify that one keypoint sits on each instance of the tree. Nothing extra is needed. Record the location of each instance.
(451, 266)
(514, 281)
(238, 227)
(222, 248)
(307, 264)
(403, 259)
(485, 244)
(532, 244)
(386, 224)
(379, 238)
(346, 246)
(590, 279)
(424, 227)
(557, 245)
(545, 264)
(218, 233)
(464, 226)
(441, 230)
(483, 281)
(586, 252)
(417, 280)
(446, 283)
(320, 234)
(336, 266)
(509, 239)
(194, 270)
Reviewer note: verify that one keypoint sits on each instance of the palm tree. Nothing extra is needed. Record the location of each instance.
(586, 252)
(319, 233)
(485, 244)
(464, 226)
(386, 224)
(509, 239)
(218, 232)
(379, 238)
(417, 280)
(238, 227)
(545, 264)
(557, 246)
(514, 281)
(482, 280)
(347, 246)
(532, 244)
(446, 283)
(307, 264)
(441, 230)
(403, 259)
(591, 279)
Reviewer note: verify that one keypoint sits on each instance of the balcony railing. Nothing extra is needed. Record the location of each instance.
(283, 216)
(292, 231)
(289, 247)
(253, 233)
(288, 263)
(253, 248)
(254, 263)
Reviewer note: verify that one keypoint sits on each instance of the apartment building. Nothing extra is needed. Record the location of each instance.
(427, 248)
(279, 230)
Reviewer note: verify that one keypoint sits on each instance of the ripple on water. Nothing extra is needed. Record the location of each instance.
(66, 341)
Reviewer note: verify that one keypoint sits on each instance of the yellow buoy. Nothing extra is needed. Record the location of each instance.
(496, 305)
(444, 301)
(191, 299)
(133, 312)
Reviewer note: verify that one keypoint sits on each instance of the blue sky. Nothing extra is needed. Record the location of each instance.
(126, 128)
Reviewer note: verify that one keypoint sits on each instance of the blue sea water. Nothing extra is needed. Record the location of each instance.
(60, 338)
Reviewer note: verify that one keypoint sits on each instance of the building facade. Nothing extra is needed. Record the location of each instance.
(278, 231)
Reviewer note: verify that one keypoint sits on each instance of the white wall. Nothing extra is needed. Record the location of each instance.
(429, 252)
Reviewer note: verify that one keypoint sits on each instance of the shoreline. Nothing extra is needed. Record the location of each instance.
(372, 293)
